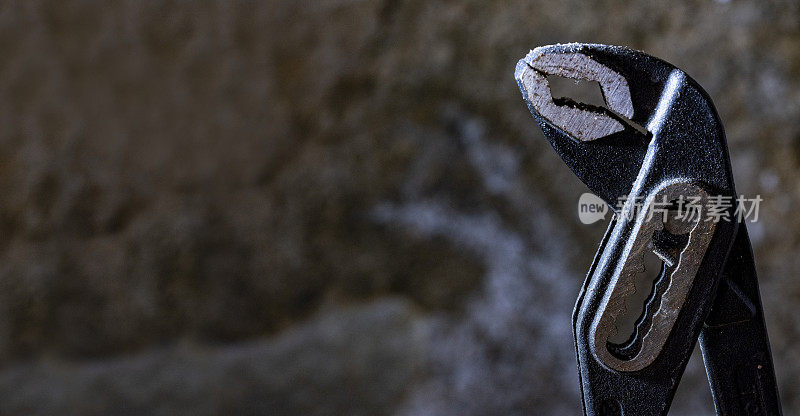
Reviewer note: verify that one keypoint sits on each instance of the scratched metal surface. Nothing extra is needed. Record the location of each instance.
(336, 207)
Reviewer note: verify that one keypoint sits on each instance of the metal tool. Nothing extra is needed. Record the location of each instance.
(658, 139)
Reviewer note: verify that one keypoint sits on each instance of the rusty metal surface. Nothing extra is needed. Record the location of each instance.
(673, 285)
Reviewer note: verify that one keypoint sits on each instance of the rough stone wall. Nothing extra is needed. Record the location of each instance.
(336, 206)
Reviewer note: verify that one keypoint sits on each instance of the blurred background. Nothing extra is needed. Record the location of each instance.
(337, 207)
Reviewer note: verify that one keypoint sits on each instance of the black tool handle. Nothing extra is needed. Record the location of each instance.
(734, 340)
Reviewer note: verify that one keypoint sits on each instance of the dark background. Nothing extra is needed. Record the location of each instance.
(336, 207)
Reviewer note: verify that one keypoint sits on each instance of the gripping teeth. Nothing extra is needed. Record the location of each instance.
(576, 65)
(582, 122)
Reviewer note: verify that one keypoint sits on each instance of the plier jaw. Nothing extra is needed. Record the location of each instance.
(658, 139)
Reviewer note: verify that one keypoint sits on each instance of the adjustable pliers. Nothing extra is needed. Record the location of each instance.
(658, 139)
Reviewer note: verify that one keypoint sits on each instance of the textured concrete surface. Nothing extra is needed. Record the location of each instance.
(336, 206)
